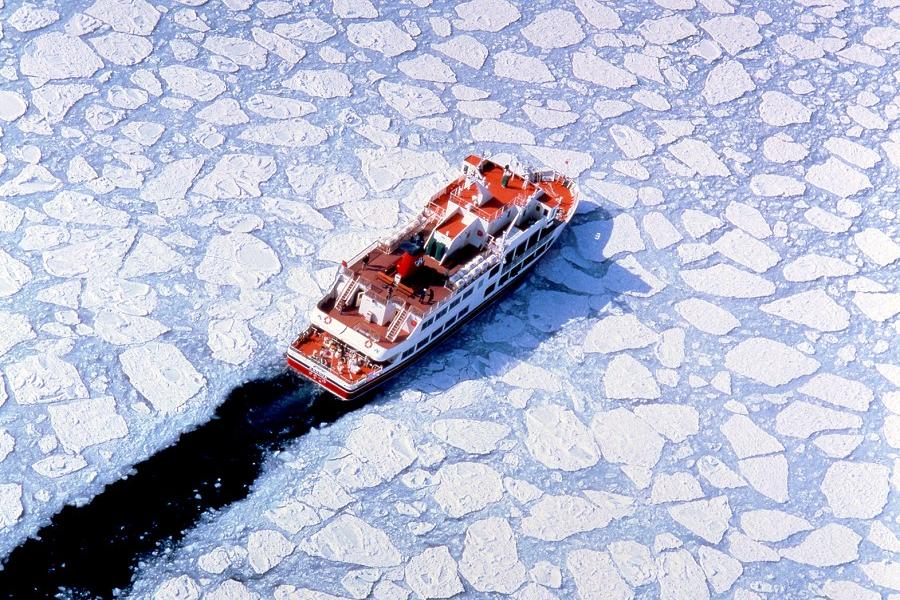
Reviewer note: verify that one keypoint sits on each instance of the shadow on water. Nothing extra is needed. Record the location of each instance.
(91, 551)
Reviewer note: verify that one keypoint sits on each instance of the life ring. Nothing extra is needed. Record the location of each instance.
(327, 320)
(368, 343)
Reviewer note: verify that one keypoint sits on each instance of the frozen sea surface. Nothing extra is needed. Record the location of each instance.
(697, 394)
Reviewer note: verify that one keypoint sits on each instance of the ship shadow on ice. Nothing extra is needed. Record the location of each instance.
(91, 551)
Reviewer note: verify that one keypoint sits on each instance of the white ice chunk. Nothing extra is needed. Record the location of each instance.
(781, 148)
(705, 518)
(122, 48)
(779, 109)
(349, 539)
(627, 379)
(856, 489)
(596, 577)
(75, 207)
(768, 475)
(43, 378)
(852, 152)
(465, 49)
(320, 83)
(411, 101)
(837, 177)
(150, 255)
(10, 504)
(698, 223)
(16, 329)
(699, 157)
(734, 33)
(599, 15)
(194, 83)
(767, 525)
(677, 487)
(721, 570)
(490, 560)
(266, 549)
(706, 316)
(466, 487)
(728, 282)
(289, 133)
(771, 186)
(802, 419)
(558, 439)
(59, 465)
(718, 474)
(839, 391)
(661, 231)
(878, 246)
(828, 546)
(633, 561)
(432, 574)
(521, 67)
(238, 259)
(666, 30)
(553, 28)
(57, 55)
(238, 50)
(675, 422)
(381, 36)
(427, 67)
(727, 81)
(88, 422)
(813, 308)
(128, 16)
(768, 361)
(590, 67)
(626, 439)
(810, 267)
(485, 15)
(680, 577)
(12, 106)
(554, 518)
(162, 374)
(618, 332)
(474, 437)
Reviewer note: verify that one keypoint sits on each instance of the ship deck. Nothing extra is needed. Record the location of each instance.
(335, 356)
(555, 190)
(378, 275)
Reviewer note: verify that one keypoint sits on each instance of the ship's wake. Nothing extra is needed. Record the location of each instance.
(91, 551)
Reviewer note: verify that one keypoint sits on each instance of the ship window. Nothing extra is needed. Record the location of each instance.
(441, 313)
(427, 323)
(519, 250)
(504, 278)
(464, 310)
(408, 353)
(533, 238)
(490, 289)
(494, 271)
(454, 303)
(421, 344)
(516, 270)
(468, 292)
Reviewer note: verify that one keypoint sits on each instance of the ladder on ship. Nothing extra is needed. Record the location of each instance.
(397, 323)
(346, 292)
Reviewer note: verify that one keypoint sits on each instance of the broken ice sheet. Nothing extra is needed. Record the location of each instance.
(723, 349)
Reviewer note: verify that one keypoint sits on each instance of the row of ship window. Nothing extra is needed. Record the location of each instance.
(512, 272)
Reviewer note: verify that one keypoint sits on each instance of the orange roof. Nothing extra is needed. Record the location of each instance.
(453, 227)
